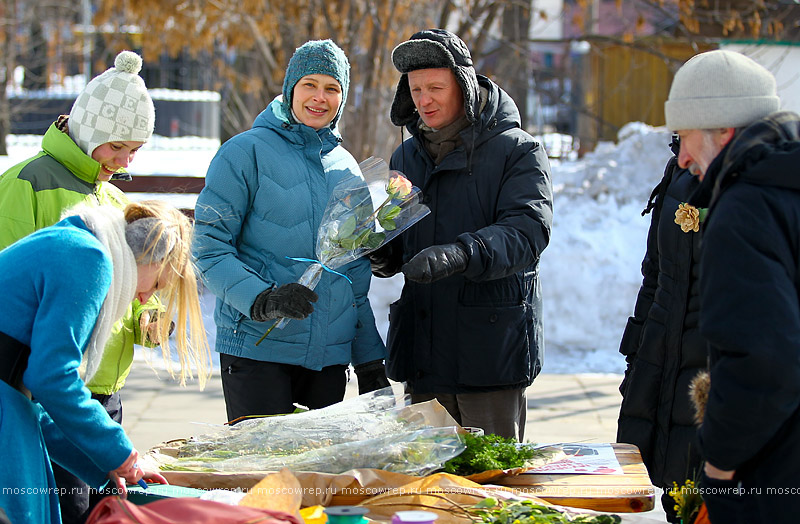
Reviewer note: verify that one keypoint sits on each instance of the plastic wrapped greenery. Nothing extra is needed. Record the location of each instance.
(362, 215)
(375, 430)
(415, 452)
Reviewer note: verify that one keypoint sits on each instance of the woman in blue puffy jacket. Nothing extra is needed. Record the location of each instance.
(265, 194)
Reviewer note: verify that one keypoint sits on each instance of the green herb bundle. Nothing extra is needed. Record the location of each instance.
(494, 511)
(490, 452)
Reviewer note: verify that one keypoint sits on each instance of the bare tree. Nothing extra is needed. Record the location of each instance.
(251, 42)
(8, 18)
(25, 26)
(653, 37)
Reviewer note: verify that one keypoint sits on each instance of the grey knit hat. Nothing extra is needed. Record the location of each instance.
(317, 57)
(719, 89)
(149, 240)
(113, 107)
(433, 49)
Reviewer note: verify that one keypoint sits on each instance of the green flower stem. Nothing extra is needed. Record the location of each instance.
(374, 213)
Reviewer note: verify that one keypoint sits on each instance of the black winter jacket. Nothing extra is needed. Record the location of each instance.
(480, 330)
(662, 342)
(750, 291)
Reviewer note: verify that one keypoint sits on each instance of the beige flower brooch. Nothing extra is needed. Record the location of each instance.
(689, 217)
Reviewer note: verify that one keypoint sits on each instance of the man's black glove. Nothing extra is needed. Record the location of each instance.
(382, 263)
(371, 376)
(436, 262)
(288, 301)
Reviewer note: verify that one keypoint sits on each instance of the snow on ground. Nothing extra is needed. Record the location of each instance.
(590, 271)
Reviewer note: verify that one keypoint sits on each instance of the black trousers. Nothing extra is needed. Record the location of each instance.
(253, 387)
(75, 497)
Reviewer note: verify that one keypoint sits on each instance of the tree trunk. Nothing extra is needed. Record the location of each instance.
(515, 60)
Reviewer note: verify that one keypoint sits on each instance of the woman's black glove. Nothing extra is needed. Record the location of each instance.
(371, 376)
(436, 262)
(288, 301)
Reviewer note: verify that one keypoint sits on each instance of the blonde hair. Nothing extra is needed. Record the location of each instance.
(180, 296)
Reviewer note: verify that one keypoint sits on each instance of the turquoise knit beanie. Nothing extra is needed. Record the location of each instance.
(317, 57)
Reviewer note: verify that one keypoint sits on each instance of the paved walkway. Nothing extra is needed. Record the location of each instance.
(561, 408)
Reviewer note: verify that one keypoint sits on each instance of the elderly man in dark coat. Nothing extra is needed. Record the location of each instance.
(746, 152)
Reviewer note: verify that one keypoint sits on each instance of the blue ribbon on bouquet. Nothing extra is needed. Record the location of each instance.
(326, 268)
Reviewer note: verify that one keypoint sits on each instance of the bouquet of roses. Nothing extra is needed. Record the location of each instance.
(353, 226)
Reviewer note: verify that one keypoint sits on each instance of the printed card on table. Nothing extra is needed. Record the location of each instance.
(589, 459)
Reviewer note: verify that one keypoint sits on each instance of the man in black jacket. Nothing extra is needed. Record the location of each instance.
(724, 107)
(467, 329)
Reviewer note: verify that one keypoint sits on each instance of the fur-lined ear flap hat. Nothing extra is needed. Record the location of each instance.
(433, 49)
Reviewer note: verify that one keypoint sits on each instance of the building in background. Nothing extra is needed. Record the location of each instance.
(782, 59)
(178, 112)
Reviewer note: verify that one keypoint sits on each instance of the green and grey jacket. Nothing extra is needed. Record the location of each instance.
(34, 194)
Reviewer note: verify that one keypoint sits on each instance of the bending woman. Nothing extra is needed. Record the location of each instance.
(64, 287)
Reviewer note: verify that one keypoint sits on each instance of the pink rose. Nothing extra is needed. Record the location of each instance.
(398, 186)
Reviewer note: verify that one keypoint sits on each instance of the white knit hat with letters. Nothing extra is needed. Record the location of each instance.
(720, 89)
(113, 107)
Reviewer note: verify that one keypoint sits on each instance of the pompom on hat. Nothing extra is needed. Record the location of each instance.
(720, 89)
(317, 57)
(113, 107)
(433, 49)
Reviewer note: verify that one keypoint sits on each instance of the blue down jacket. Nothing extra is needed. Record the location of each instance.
(266, 190)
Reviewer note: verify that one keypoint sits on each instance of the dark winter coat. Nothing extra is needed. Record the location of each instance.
(480, 330)
(750, 289)
(662, 341)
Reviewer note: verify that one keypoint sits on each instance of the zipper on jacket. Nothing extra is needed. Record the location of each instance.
(238, 323)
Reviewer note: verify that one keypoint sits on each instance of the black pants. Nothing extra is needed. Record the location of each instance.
(75, 497)
(253, 387)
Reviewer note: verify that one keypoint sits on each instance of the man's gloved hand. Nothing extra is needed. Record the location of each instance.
(381, 263)
(371, 376)
(436, 262)
(287, 301)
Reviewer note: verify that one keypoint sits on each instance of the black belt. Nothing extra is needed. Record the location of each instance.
(13, 361)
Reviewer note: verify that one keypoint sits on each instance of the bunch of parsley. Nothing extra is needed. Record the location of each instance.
(489, 452)
(495, 511)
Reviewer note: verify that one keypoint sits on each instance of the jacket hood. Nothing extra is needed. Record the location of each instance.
(766, 152)
(497, 112)
(58, 144)
(275, 117)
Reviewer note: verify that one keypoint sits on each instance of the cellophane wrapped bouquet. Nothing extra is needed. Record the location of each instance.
(376, 430)
(353, 224)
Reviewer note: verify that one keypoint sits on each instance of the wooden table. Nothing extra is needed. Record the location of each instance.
(630, 492)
